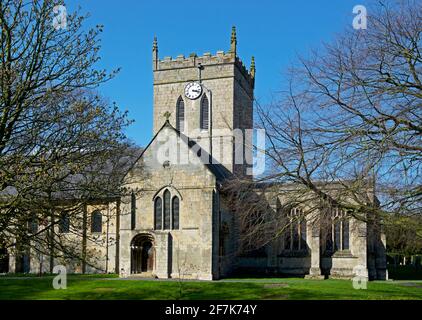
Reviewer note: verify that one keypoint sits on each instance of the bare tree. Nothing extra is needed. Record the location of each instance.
(349, 124)
(60, 143)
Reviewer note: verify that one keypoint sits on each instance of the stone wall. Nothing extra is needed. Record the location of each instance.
(194, 184)
(100, 248)
(229, 88)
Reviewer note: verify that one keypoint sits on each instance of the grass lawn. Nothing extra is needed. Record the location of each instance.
(105, 287)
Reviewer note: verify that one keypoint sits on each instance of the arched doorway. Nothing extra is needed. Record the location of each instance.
(142, 254)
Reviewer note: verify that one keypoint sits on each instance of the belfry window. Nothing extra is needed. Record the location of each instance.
(204, 113)
(180, 115)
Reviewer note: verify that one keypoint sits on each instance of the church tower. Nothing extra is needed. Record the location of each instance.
(209, 99)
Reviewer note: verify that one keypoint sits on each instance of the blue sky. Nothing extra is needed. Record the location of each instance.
(274, 31)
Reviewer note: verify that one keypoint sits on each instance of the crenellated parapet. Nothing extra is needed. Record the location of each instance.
(207, 59)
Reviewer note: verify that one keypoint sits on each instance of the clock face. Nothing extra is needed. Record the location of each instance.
(193, 90)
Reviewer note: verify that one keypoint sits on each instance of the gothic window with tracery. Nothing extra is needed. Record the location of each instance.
(335, 230)
(166, 211)
(296, 230)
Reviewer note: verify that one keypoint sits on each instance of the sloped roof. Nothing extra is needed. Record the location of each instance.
(220, 172)
(114, 170)
(111, 171)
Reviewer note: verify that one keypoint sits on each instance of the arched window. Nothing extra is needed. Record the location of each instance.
(167, 210)
(336, 231)
(180, 115)
(252, 248)
(345, 233)
(96, 221)
(64, 223)
(133, 211)
(158, 214)
(204, 113)
(175, 212)
(295, 235)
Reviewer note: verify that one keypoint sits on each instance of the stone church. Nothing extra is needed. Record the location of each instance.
(175, 221)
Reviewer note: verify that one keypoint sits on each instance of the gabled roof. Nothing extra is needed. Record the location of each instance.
(220, 172)
(109, 172)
